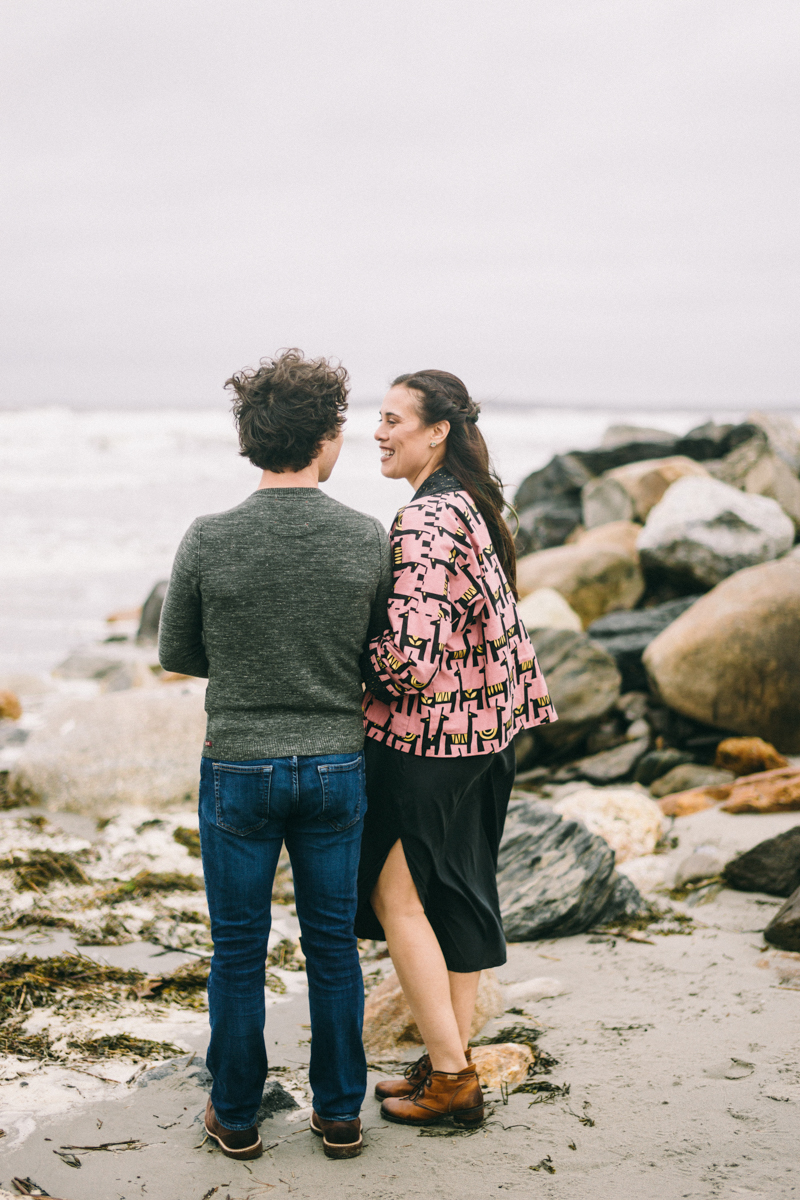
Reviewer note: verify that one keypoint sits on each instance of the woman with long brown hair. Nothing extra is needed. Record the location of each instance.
(448, 684)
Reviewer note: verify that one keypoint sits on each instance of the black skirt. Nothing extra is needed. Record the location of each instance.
(449, 814)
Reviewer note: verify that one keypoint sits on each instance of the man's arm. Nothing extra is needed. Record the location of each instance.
(379, 617)
(180, 634)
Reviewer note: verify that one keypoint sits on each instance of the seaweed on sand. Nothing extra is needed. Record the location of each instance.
(42, 867)
(42, 917)
(14, 794)
(190, 838)
(522, 1035)
(285, 956)
(14, 1040)
(283, 884)
(113, 1045)
(186, 986)
(146, 883)
(30, 982)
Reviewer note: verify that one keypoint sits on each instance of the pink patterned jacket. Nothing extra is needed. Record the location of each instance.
(455, 673)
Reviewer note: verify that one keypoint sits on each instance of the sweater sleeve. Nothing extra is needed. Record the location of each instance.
(180, 634)
(409, 653)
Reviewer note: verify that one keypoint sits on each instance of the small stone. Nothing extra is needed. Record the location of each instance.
(698, 866)
(506, 1063)
(547, 609)
(390, 1026)
(10, 707)
(773, 866)
(637, 730)
(630, 822)
(87, 665)
(274, 1099)
(783, 930)
(766, 792)
(658, 763)
(687, 776)
(543, 987)
(616, 763)
(633, 705)
(684, 804)
(748, 755)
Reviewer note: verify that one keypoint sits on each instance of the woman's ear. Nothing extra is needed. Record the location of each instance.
(440, 430)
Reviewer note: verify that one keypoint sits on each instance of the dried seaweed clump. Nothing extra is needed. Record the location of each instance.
(29, 982)
(186, 986)
(286, 956)
(283, 884)
(190, 838)
(147, 883)
(14, 1040)
(40, 868)
(15, 794)
(42, 917)
(114, 1045)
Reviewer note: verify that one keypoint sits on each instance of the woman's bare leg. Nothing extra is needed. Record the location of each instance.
(419, 962)
(463, 994)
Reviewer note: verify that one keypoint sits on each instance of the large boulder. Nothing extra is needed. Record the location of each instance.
(582, 680)
(784, 928)
(389, 1025)
(555, 878)
(626, 635)
(705, 530)
(546, 523)
(712, 441)
(773, 866)
(596, 574)
(563, 476)
(732, 660)
(132, 747)
(547, 609)
(759, 465)
(629, 492)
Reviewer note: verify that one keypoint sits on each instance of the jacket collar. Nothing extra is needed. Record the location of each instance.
(440, 481)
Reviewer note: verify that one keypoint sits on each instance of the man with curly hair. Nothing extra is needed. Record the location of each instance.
(273, 602)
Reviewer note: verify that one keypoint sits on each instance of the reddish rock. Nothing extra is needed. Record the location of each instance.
(765, 792)
(10, 706)
(683, 804)
(747, 755)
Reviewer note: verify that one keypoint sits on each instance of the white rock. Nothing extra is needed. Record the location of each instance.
(547, 609)
(541, 988)
(648, 874)
(628, 819)
(706, 530)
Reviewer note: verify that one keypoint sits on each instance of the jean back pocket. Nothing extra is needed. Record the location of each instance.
(241, 794)
(342, 792)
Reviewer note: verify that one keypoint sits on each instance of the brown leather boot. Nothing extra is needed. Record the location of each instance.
(236, 1143)
(413, 1076)
(340, 1139)
(442, 1095)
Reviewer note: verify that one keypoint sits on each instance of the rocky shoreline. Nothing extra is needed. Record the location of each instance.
(660, 583)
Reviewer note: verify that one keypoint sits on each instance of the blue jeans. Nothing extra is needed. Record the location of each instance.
(247, 810)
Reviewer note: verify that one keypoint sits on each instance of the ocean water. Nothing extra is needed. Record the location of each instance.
(93, 504)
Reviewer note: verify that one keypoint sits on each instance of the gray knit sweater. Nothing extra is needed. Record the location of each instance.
(273, 601)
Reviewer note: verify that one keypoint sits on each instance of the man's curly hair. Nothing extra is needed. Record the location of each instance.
(286, 408)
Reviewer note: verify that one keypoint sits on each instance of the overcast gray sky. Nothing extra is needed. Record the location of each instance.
(566, 200)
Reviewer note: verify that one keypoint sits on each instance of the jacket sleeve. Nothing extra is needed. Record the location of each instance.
(408, 654)
(180, 633)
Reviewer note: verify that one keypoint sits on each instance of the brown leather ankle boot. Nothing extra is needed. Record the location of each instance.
(413, 1076)
(441, 1095)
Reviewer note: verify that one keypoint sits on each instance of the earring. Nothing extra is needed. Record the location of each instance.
(434, 445)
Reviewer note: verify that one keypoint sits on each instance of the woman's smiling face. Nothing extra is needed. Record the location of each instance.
(405, 443)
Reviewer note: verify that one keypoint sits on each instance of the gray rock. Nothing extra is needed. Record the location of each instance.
(704, 530)
(658, 763)
(783, 930)
(698, 866)
(626, 636)
(635, 435)
(782, 434)
(633, 705)
(773, 866)
(151, 614)
(582, 679)
(546, 523)
(689, 775)
(613, 764)
(604, 500)
(84, 664)
(555, 878)
(624, 902)
(163, 1071)
(713, 441)
(564, 475)
(275, 1099)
